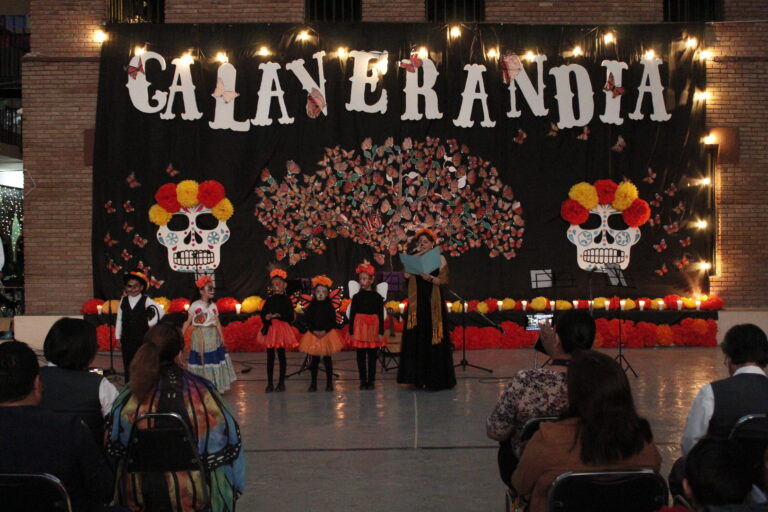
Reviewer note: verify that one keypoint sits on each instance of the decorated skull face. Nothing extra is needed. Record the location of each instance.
(194, 238)
(604, 238)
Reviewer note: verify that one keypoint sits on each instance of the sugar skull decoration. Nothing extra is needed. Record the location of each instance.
(605, 222)
(192, 223)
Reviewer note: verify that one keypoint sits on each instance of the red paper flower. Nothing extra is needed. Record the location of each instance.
(226, 305)
(606, 191)
(91, 306)
(210, 192)
(493, 304)
(637, 213)
(102, 337)
(670, 301)
(177, 305)
(573, 212)
(713, 303)
(166, 197)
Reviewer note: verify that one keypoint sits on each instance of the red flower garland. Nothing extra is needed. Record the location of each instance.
(226, 305)
(177, 305)
(91, 306)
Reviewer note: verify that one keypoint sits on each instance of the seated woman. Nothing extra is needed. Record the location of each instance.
(600, 431)
(159, 384)
(68, 387)
(539, 391)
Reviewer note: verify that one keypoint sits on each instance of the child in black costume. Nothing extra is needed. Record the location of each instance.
(277, 314)
(366, 318)
(321, 319)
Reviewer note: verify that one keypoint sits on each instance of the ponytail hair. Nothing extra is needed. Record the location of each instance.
(162, 344)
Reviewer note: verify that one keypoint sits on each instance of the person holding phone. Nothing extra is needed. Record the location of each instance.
(539, 391)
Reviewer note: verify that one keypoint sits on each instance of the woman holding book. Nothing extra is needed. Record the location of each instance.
(426, 358)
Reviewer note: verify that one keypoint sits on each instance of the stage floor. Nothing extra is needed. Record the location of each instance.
(398, 450)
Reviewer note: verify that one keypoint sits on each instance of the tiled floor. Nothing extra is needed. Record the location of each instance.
(398, 450)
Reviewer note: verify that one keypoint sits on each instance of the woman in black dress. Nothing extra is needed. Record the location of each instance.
(426, 358)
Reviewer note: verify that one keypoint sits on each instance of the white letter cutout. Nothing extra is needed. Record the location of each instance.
(535, 99)
(651, 83)
(266, 93)
(564, 95)
(362, 78)
(412, 92)
(474, 89)
(138, 88)
(224, 115)
(182, 82)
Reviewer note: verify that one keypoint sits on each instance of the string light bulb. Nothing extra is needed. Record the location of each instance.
(609, 38)
(100, 36)
(529, 56)
(382, 65)
(303, 35)
(577, 51)
(709, 139)
(701, 224)
(705, 181)
(691, 42)
(341, 52)
(705, 54)
(222, 57)
(264, 51)
(701, 96)
(139, 50)
(187, 58)
(649, 55)
(493, 53)
(705, 265)
(455, 31)
(423, 53)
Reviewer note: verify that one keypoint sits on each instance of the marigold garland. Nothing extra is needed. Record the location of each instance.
(172, 197)
(186, 193)
(585, 194)
(623, 197)
(626, 193)
(163, 302)
(539, 304)
(91, 306)
(252, 304)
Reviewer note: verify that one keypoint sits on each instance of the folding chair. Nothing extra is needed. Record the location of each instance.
(33, 493)
(165, 446)
(530, 427)
(751, 433)
(608, 491)
(509, 455)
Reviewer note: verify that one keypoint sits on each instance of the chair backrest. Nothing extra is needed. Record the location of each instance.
(166, 445)
(628, 491)
(751, 426)
(531, 426)
(33, 493)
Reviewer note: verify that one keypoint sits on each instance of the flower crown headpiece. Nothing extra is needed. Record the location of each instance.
(365, 268)
(322, 280)
(204, 280)
(278, 272)
(623, 197)
(172, 197)
(428, 232)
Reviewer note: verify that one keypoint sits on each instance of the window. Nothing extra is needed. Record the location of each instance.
(333, 10)
(136, 11)
(693, 10)
(447, 11)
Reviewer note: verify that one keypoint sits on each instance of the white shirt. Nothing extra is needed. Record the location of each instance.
(107, 394)
(702, 409)
(132, 301)
(203, 313)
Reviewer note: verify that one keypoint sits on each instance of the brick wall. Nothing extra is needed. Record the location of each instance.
(737, 78)
(60, 83)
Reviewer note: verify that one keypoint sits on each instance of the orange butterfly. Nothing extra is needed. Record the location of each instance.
(137, 240)
(657, 201)
(685, 242)
(132, 181)
(672, 228)
(584, 134)
(680, 208)
(661, 246)
(671, 190)
(610, 85)
(126, 255)
(219, 92)
(663, 270)
(412, 64)
(553, 129)
(127, 227)
(133, 72)
(521, 135)
(681, 263)
(108, 206)
(170, 171)
(620, 145)
(655, 220)
(108, 240)
(128, 207)
(155, 283)
(651, 176)
(113, 267)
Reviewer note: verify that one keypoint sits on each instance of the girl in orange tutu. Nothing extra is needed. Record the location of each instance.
(277, 314)
(366, 317)
(321, 321)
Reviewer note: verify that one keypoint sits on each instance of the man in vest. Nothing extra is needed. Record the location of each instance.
(719, 405)
(136, 314)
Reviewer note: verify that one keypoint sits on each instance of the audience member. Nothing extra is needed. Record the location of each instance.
(70, 347)
(36, 440)
(600, 431)
(719, 405)
(717, 472)
(159, 384)
(539, 391)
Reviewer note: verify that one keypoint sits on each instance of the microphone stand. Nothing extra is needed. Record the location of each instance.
(464, 363)
(111, 370)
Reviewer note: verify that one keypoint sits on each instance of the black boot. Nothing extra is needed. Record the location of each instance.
(281, 358)
(313, 367)
(270, 369)
(361, 368)
(372, 360)
(328, 363)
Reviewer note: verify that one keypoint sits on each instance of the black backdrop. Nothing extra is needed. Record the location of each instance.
(134, 149)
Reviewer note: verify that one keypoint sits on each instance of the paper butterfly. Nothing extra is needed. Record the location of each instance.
(610, 85)
(661, 246)
(315, 104)
(133, 72)
(132, 181)
(137, 240)
(681, 263)
(127, 227)
(657, 202)
(685, 242)
(511, 67)
(128, 207)
(680, 208)
(219, 92)
(170, 171)
(663, 270)
(620, 145)
(412, 64)
(655, 220)
(108, 240)
(155, 283)
(671, 190)
(126, 255)
(672, 228)
(584, 134)
(113, 267)
(553, 129)
(144, 268)
(108, 206)
(651, 176)
(521, 135)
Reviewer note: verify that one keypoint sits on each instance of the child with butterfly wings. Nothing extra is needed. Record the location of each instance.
(277, 335)
(207, 356)
(321, 319)
(366, 317)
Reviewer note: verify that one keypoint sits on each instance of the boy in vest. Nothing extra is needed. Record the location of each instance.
(136, 314)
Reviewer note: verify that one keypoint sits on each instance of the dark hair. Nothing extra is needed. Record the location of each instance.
(18, 370)
(719, 472)
(599, 395)
(71, 344)
(576, 330)
(744, 343)
(162, 344)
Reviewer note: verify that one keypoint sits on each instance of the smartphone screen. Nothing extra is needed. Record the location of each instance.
(536, 320)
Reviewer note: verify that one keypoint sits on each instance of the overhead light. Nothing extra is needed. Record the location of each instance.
(701, 96)
(705, 181)
(455, 31)
(100, 36)
(705, 265)
(609, 38)
(382, 65)
(264, 51)
(222, 57)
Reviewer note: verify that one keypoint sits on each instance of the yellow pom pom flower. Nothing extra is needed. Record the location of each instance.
(223, 210)
(252, 304)
(599, 303)
(159, 215)
(539, 303)
(625, 195)
(482, 307)
(164, 302)
(688, 302)
(656, 302)
(508, 304)
(457, 307)
(392, 306)
(111, 306)
(585, 194)
(186, 193)
(630, 304)
(563, 305)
